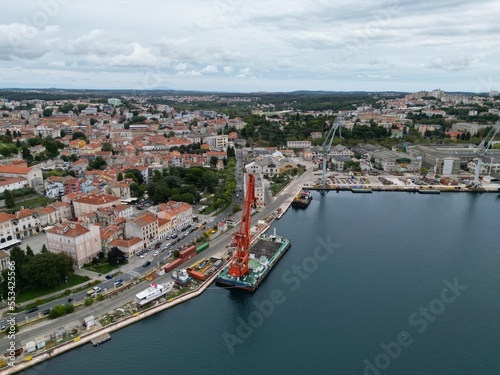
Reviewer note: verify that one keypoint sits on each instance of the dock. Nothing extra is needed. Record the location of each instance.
(428, 191)
(101, 339)
(362, 190)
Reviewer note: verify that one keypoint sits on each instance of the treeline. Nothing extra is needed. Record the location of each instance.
(42, 270)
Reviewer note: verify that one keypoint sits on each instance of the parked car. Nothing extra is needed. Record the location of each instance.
(156, 253)
(109, 277)
(118, 282)
(143, 255)
(46, 312)
(146, 264)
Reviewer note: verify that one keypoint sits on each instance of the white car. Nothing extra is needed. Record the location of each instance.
(156, 253)
(143, 256)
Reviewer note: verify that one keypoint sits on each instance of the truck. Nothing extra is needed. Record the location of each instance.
(202, 247)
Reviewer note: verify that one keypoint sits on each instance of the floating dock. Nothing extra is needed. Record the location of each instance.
(362, 190)
(101, 339)
(429, 191)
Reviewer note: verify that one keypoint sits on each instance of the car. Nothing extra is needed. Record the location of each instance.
(156, 253)
(118, 282)
(33, 309)
(97, 289)
(2, 328)
(142, 255)
(109, 277)
(158, 244)
(146, 264)
(46, 312)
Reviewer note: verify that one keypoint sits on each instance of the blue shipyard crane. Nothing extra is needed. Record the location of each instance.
(482, 149)
(327, 144)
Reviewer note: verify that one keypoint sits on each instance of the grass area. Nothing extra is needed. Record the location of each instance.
(39, 201)
(102, 268)
(277, 187)
(31, 293)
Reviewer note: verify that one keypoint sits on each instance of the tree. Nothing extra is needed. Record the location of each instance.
(79, 135)
(213, 161)
(47, 112)
(44, 249)
(98, 163)
(116, 256)
(47, 269)
(93, 121)
(29, 252)
(119, 177)
(106, 146)
(9, 199)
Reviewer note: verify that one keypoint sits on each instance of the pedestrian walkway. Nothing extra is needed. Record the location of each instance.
(84, 272)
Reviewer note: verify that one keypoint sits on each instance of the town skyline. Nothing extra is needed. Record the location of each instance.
(232, 46)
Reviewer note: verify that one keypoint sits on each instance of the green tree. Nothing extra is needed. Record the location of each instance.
(92, 121)
(79, 135)
(47, 269)
(47, 112)
(9, 199)
(119, 177)
(44, 249)
(29, 252)
(116, 256)
(106, 146)
(213, 161)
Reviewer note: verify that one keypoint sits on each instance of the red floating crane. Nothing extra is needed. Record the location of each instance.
(239, 263)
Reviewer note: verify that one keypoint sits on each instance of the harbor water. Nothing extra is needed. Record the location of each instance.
(382, 283)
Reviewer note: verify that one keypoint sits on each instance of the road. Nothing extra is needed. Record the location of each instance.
(101, 307)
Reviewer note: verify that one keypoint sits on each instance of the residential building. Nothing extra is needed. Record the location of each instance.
(12, 183)
(179, 213)
(25, 223)
(74, 239)
(298, 144)
(129, 246)
(145, 227)
(32, 174)
(93, 202)
(7, 237)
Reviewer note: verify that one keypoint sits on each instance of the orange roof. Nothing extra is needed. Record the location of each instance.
(16, 169)
(122, 242)
(22, 213)
(96, 199)
(68, 229)
(5, 217)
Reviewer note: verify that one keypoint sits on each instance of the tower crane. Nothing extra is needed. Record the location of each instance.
(327, 145)
(482, 149)
(239, 264)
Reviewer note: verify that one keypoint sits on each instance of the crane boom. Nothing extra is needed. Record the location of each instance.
(327, 144)
(482, 149)
(239, 264)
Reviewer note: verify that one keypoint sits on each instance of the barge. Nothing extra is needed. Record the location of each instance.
(302, 199)
(264, 255)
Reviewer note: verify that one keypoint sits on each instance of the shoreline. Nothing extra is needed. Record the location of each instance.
(87, 338)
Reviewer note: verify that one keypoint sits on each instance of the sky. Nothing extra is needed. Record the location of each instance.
(251, 45)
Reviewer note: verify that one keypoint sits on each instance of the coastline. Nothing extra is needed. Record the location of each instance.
(87, 338)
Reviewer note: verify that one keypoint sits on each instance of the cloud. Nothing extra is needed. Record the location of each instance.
(210, 69)
(19, 40)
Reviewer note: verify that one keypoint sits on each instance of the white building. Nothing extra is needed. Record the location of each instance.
(298, 144)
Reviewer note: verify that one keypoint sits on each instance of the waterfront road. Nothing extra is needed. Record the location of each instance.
(99, 308)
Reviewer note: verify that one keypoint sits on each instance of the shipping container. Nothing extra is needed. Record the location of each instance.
(173, 265)
(196, 275)
(201, 248)
(184, 253)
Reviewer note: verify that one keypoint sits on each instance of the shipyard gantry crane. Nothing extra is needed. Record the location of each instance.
(239, 264)
(482, 149)
(327, 145)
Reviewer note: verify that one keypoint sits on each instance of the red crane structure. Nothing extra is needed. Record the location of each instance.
(239, 264)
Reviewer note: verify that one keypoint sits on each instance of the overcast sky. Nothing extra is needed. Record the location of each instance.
(251, 45)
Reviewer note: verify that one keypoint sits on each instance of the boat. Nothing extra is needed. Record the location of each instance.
(152, 293)
(181, 277)
(264, 255)
(302, 199)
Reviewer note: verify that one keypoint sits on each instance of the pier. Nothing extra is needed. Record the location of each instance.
(101, 339)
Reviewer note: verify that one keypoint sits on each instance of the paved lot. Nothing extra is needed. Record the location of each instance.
(35, 242)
